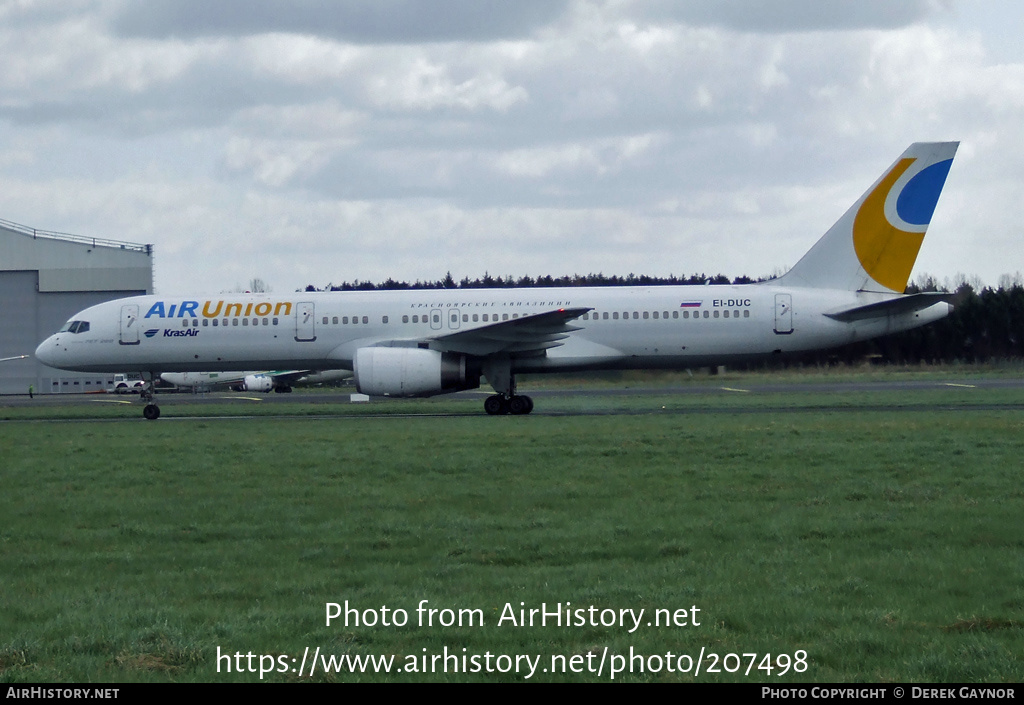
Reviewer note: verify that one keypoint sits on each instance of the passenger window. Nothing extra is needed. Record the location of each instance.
(345, 320)
(206, 322)
(647, 315)
(476, 317)
(615, 315)
(656, 315)
(184, 323)
(726, 313)
(215, 322)
(245, 321)
(746, 313)
(325, 320)
(735, 314)
(675, 314)
(605, 315)
(384, 320)
(707, 314)
(334, 320)
(405, 319)
(366, 320)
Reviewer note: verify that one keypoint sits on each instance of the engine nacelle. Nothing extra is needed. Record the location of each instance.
(257, 383)
(411, 372)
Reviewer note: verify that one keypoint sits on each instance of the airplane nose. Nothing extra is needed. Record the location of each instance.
(45, 352)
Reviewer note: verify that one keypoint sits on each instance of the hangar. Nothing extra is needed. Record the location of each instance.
(46, 277)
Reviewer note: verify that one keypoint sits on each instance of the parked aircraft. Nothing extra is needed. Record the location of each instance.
(254, 381)
(848, 287)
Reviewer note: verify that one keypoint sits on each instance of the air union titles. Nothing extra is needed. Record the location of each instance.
(219, 308)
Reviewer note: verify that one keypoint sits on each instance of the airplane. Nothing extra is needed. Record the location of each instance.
(254, 381)
(848, 287)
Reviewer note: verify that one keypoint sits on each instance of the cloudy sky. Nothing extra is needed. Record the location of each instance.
(310, 142)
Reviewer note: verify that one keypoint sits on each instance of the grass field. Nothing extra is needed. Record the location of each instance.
(885, 545)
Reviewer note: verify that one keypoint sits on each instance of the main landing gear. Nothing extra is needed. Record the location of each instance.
(499, 373)
(499, 404)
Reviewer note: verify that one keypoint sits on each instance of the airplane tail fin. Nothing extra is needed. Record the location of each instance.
(874, 245)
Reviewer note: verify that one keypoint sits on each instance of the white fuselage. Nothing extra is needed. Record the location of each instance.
(625, 328)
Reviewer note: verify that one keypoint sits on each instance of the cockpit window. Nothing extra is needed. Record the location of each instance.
(75, 327)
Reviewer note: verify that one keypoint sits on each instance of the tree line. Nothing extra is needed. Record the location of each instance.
(510, 282)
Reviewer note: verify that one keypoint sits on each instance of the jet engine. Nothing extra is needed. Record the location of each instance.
(412, 372)
(257, 383)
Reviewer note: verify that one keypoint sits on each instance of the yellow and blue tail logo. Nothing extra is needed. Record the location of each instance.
(891, 222)
(873, 247)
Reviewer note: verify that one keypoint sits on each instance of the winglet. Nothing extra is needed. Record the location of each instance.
(873, 247)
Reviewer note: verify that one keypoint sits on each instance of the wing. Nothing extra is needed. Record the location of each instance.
(523, 336)
(286, 376)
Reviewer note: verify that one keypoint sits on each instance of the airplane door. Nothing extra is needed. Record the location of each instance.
(783, 314)
(305, 322)
(435, 319)
(129, 325)
(453, 318)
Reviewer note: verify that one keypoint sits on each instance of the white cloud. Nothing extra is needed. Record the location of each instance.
(426, 85)
(617, 136)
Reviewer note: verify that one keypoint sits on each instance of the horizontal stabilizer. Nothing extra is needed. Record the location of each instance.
(891, 307)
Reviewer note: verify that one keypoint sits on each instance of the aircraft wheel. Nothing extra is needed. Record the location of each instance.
(151, 412)
(520, 405)
(495, 405)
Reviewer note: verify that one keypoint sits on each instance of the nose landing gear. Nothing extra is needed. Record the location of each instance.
(151, 411)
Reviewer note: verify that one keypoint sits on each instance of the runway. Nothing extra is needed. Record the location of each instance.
(703, 398)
